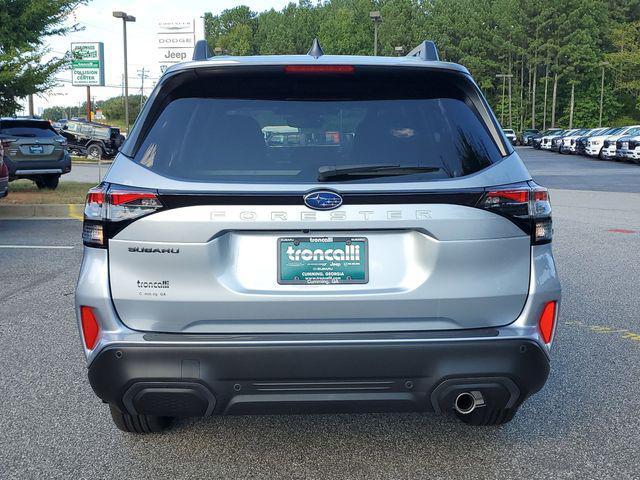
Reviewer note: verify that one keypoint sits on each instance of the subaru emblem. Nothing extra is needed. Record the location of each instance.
(322, 200)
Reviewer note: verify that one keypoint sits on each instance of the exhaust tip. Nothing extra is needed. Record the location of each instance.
(467, 402)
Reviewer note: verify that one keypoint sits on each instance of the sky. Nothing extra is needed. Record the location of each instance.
(100, 26)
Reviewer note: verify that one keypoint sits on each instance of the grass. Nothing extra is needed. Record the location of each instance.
(85, 160)
(26, 192)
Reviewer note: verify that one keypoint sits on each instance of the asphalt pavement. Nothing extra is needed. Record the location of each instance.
(585, 423)
(86, 173)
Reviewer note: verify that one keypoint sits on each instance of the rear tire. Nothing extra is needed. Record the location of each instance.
(95, 152)
(486, 416)
(139, 423)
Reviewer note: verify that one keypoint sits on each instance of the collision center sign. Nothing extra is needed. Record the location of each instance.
(87, 64)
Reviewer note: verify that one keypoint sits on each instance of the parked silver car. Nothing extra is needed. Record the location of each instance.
(400, 259)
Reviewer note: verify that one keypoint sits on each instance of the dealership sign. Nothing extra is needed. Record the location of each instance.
(87, 64)
(175, 39)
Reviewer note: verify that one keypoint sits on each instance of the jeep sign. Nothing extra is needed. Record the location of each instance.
(175, 39)
(87, 64)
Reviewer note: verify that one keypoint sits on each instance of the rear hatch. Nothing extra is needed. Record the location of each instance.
(31, 142)
(378, 217)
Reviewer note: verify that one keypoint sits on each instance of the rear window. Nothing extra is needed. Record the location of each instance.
(215, 137)
(20, 128)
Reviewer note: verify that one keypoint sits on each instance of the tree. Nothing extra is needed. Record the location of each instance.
(24, 24)
(233, 30)
(345, 27)
(625, 61)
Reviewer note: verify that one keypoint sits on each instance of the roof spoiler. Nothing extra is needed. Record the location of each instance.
(201, 50)
(425, 51)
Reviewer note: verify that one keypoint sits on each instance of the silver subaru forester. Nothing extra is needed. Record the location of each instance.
(316, 233)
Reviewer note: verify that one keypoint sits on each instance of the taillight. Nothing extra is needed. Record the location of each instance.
(528, 206)
(109, 209)
(547, 321)
(341, 69)
(90, 327)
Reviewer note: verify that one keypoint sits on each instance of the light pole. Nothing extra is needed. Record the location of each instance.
(377, 18)
(125, 18)
(602, 64)
(504, 77)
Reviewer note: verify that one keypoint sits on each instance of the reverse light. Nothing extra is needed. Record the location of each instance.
(547, 321)
(90, 327)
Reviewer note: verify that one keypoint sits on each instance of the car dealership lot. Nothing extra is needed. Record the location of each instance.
(584, 423)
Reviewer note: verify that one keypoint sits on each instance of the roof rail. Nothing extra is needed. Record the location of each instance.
(425, 51)
(201, 50)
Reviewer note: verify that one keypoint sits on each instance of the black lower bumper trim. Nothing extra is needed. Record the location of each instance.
(200, 380)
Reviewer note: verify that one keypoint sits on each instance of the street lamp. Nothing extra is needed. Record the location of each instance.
(377, 18)
(504, 77)
(125, 18)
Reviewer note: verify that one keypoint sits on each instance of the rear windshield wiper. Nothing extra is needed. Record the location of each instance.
(348, 172)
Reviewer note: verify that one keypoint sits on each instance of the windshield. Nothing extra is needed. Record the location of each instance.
(27, 129)
(288, 141)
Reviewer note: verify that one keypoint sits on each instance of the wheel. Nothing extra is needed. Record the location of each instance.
(139, 423)
(95, 151)
(49, 182)
(486, 416)
(601, 155)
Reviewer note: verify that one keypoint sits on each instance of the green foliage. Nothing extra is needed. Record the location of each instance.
(523, 38)
(112, 109)
(24, 24)
(625, 61)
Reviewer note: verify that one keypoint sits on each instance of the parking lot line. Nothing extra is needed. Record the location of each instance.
(62, 247)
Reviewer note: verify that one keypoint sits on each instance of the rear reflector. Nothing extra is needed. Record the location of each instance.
(319, 69)
(547, 320)
(90, 327)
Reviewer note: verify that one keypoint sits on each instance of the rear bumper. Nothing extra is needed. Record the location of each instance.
(36, 168)
(263, 375)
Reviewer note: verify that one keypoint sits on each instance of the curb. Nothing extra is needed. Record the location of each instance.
(68, 210)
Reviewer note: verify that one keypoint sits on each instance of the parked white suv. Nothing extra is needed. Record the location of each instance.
(628, 148)
(545, 144)
(567, 144)
(604, 146)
